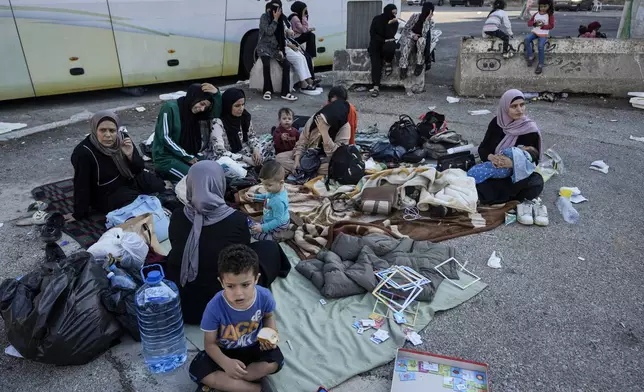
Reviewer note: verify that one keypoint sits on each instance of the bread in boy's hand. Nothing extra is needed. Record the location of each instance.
(268, 335)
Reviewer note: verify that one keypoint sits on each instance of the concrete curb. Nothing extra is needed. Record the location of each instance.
(76, 118)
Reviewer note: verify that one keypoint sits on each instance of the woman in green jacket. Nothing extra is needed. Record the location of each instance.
(183, 129)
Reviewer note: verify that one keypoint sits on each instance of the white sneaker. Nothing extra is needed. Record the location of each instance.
(524, 213)
(540, 214)
(38, 218)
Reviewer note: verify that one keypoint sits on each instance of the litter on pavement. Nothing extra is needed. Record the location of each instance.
(479, 112)
(171, 96)
(494, 261)
(576, 196)
(8, 127)
(600, 166)
(140, 109)
(453, 100)
(637, 138)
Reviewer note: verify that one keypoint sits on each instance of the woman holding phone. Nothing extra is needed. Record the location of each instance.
(108, 170)
(272, 45)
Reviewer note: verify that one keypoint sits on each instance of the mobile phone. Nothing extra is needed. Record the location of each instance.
(124, 134)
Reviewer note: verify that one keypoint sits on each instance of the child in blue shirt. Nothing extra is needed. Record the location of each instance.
(233, 359)
(276, 216)
(523, 165)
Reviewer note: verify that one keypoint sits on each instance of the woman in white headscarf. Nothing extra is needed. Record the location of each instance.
(200, 230)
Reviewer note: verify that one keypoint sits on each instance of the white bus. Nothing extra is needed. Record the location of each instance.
(61, 46)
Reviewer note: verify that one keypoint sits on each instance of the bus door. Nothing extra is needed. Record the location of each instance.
(68, 45)
(168, 40)
(14, 79)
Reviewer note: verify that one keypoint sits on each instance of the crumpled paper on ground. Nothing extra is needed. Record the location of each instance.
(494, 261)
(600, 166)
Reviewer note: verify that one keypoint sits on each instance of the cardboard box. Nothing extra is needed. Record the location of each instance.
(437, 373)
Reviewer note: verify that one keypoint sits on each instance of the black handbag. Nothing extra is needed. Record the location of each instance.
(461, 160)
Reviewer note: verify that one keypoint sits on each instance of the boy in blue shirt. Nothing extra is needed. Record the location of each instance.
(276, 216)
(234, 360)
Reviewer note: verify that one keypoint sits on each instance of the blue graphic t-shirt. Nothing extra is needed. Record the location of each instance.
(237, 328)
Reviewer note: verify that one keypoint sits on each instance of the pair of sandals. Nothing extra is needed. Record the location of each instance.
(389, 69)
(288, 97)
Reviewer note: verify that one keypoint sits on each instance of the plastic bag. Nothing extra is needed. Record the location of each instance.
(109, 243)
(120, 302)
(231, 168)
(130, 247)
(550, 165)
(55, 316)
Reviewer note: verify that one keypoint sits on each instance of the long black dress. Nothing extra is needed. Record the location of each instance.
(503, 190)
(381, 51)
(195, 295)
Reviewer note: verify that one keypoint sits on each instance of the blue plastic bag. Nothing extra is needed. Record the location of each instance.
(142, 205)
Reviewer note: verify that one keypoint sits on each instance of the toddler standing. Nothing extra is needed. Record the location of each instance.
(285, 136)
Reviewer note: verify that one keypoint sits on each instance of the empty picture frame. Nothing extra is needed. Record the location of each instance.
(462, 268)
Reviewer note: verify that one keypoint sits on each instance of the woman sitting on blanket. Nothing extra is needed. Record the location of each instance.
(108, 170)
(327, 130)
(511, 128)
(200, 230)
(233, 135)
(181, 128)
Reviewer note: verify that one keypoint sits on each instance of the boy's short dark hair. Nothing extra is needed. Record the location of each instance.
(238, 259)
(272, 170)
(285, 111)
(338, 92)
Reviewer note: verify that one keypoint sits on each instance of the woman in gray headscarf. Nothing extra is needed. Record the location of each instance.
(108, 170)
(200, 230)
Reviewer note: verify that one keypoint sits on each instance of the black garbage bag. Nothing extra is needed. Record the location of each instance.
(120, 302)
(55, 316)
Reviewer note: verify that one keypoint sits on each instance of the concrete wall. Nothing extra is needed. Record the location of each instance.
(353, 66)
(595, 66)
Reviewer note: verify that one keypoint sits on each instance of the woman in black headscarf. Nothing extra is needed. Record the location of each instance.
(303, 32)
(327, 130)
(182, 128)
(382, 47)
(416, 35)
(233, 133)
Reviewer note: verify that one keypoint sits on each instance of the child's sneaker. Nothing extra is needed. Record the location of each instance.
(506, 55)
(524, 213)
(540, 214)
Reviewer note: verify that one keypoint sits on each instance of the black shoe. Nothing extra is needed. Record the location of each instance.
(419, 69)
(53, 253)
(403, 73)
(539, 69)
(52, 229)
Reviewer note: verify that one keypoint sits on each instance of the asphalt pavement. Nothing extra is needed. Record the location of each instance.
(563, 314)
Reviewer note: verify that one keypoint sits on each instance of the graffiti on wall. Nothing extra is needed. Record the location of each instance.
(488, 64)
(497, 47)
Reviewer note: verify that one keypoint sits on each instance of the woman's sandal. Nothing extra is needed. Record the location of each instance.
(267, 96)
(308, 88)
(375, 93)
(289, 97)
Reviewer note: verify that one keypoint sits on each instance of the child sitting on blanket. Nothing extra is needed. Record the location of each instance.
(285, 135)
(276, 216)
(523, 166)
(235, 358)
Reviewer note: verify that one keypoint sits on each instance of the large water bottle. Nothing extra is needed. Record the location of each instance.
(565, 207)
(158, 310)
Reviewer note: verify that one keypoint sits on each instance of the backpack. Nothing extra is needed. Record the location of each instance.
(346, 165)
(432, 124)
(404, 133)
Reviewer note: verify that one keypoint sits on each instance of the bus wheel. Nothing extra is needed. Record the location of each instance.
(247, 53)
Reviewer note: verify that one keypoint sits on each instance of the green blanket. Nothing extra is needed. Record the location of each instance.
(326, 350)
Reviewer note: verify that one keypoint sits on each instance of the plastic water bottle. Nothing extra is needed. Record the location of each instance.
(158, 310)
(120, 278)
(565, 207)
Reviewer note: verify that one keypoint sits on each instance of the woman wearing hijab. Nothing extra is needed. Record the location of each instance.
(415, 35)
(200, 230)
(271, 44)
(509, 128)
(304, 34)
(182, 128)
(382, 47)
(108, 170)
(233, 132)
(327, 130)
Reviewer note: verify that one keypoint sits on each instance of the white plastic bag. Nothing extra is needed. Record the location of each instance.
(231, 168)
(109, 243)
(135, 250)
